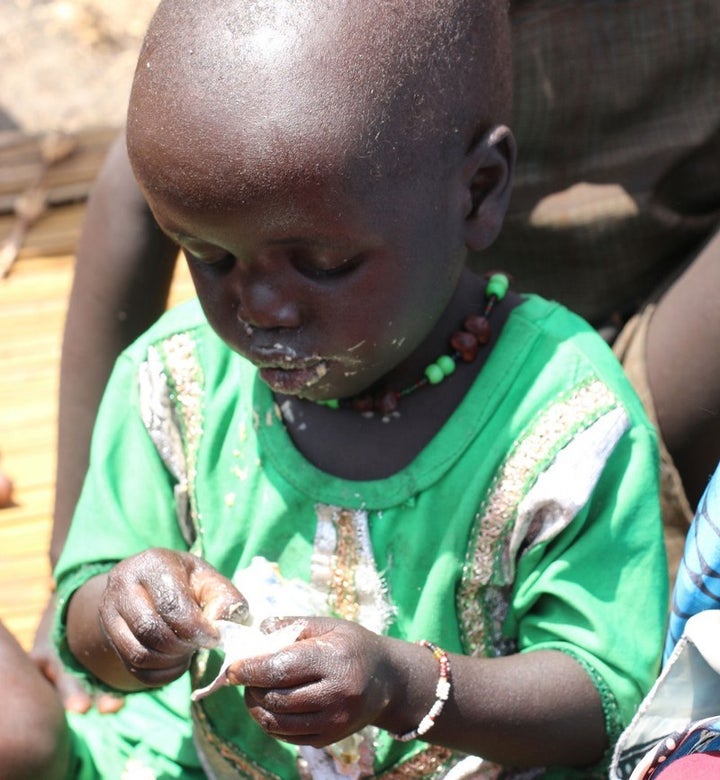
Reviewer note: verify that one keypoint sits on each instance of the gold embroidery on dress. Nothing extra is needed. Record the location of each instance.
(221, 759)
(430, 763)
(166, 425)
(343, 592)
(343, 566)
(486, 571)
(187, 392)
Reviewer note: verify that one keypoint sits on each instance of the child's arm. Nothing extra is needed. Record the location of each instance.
(122, 278)
(139, 625)
(530, 709)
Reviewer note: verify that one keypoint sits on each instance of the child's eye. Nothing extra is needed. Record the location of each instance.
(217, 261)
(325, 269)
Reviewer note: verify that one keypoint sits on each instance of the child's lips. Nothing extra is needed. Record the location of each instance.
(290, 376)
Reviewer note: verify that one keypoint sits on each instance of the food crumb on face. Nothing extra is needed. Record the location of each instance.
(287, 412)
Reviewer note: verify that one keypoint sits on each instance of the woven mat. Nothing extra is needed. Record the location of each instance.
(62, 185)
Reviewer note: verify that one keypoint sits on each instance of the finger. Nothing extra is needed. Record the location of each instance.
(284, 723)
(79, 703)
(236, 613)
(151, 592)
(74, 696)
(144, 647)
(137, 655)
(171, 595)
(285, 701)
(291, 667)
(218, 598)
(72, 692)
(107, 704)
(138, 631)
(311, 627)
(298, 729)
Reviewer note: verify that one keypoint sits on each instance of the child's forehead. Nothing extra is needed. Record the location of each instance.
(280, 139)
(297, 85)
(215, 169)
(289, 66)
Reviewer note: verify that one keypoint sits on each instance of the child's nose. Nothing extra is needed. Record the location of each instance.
(266, 305)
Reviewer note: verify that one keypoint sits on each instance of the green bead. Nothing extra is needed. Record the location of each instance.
(498, 286)
(446, 364)
(332, 403)
(434, 374)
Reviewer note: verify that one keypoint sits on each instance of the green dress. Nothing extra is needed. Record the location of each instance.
(531, 521)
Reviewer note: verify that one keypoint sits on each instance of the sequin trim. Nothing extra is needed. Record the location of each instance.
(163, 425)
(431, 763)
(186, 392)
(343, 566)
(222, 760)
(484, 592)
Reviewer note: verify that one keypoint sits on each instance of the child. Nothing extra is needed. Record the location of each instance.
(476, 554)
(676, 732)
(650, 236)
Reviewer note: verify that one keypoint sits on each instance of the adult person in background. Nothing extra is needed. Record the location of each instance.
(615, 213)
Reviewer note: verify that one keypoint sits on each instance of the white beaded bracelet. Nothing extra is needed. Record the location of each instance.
(442, 694)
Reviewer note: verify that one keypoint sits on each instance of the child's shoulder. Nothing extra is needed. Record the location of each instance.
(556, 323)
(562, 349)
(566, 333)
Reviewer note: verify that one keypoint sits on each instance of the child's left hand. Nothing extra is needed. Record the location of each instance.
(334, 680)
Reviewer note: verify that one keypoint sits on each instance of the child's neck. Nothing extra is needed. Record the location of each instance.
(351, 445)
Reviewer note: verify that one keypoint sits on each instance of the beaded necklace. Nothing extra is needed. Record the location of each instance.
(465, 345)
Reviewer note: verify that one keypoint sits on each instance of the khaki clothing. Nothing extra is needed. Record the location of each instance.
(676, 510)
(617, 120)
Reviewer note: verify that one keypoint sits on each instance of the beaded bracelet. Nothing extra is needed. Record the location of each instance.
(442, 694)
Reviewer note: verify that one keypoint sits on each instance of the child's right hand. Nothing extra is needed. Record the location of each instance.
(158, 609)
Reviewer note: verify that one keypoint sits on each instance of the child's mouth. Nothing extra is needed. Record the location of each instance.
(291, 380)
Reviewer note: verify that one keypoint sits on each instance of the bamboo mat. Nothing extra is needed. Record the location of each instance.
(33, 301)
(64, 185)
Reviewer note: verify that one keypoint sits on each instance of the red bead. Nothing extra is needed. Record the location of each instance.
(466, 344)
(363, 404)
(479, 327)
(387, 403)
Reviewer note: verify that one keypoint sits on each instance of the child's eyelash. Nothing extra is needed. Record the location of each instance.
(219, 262)
(314, 271)
(308, 267)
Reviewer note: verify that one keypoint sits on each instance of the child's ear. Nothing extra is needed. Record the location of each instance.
(487, 182)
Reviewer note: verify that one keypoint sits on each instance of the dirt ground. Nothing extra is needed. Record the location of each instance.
(68, 64)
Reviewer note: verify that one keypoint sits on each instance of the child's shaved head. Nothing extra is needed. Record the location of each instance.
(269, 84)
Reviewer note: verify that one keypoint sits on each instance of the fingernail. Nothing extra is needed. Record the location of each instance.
(238, 613)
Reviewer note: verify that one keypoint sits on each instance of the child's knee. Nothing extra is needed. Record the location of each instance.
(34, 736)
(42, 750)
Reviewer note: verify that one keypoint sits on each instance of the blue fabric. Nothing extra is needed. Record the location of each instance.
(697, 587)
